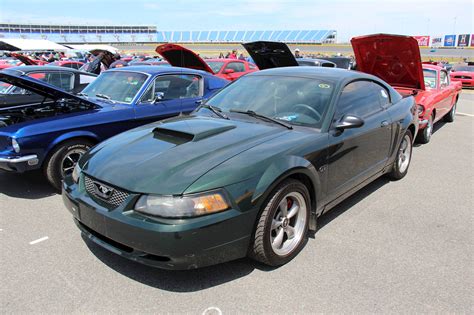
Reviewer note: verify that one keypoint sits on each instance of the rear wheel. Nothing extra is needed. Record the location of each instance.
(425, 135)
(403, 159)
(282, 228)
(450, 116)
(63, 160)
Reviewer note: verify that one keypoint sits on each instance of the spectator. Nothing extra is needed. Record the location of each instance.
(118, 63)
(227, 55)
(241, 57)
(297, 53)
(233, 55)
(221, 55)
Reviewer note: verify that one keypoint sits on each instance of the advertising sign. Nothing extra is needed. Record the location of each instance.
(437, 41)
(472, 40)
(449, 40)
(422, 40)
(463, 40)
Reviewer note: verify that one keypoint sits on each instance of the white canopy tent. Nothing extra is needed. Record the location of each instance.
(19, 44)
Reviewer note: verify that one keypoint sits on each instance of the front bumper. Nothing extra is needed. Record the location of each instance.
(163, 243)
(18, 164)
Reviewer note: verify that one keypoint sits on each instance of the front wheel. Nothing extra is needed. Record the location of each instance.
(403, 159)
(63, 160)
(425, 135)
(281, 231)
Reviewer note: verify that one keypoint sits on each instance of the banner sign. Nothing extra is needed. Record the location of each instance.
(472, 40)
(449, 40)
(437, 41)
(422, 40)
(463, 40)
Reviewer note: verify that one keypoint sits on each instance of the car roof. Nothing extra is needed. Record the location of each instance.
(158, 70)
(432, 67)
(28, 69)
(333, 74)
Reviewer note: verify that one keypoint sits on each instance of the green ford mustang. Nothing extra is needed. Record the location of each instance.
(247, 174)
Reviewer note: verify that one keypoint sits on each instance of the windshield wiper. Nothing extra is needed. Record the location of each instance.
(106, 97)
(254, 114)
(82, 94)
(215, 110)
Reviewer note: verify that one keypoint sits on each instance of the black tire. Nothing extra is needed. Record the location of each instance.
(424, 135)
(449, 117)
(261, 247)
(53, 166)
(398, 172)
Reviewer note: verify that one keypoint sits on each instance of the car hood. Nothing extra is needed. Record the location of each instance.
(393, 58)
(178, 56)
(167, 157)
(267, 55)
(26, 60)
(39, 87)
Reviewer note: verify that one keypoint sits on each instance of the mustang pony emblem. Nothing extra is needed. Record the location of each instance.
(103, 191)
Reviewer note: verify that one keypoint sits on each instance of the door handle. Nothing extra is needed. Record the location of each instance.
(384, 123)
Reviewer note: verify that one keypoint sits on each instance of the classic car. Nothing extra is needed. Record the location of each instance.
(463, 74)
(9, 62)
(53, 134)
(315, 62)
(229, 69)
(396, 60)
(248, 173)
(67, 63)
(70, 80)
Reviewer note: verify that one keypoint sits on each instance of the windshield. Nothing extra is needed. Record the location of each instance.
(430, 78)
(464, 68)
(298, 101)
(215, 65)
(119, 86)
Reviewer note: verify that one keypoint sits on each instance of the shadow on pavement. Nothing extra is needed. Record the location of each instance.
(30, 185)
(200, 279)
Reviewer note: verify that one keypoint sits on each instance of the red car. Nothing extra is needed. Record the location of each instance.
(463, 74)
(67, 63)
(229, 69)
(396, 60)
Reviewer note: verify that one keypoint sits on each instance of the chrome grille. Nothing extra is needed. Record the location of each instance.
(462, 77)
(116, 198)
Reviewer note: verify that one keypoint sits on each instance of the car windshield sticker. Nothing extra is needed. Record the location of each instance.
(288, 118)
(324, 86)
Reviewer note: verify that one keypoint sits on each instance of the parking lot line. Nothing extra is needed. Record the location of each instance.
(39, 240)
(464, 114)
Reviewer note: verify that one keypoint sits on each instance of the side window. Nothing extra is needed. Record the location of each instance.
(178, 86)
(443, 78)
(360, 98)
(62, 80)
(236, 66)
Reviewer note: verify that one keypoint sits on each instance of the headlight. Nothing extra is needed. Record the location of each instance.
(15, 145)
(76, 173)
(182, 206)
(420, 109)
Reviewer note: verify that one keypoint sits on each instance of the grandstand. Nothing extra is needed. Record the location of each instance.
(150, 34)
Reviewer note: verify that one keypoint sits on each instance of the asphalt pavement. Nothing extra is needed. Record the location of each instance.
(402, 247)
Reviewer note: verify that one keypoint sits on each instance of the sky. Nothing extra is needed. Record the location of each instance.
(349, 18)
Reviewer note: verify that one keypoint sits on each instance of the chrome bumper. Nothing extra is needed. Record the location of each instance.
(29, 159)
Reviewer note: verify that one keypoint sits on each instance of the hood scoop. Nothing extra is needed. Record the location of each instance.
(187, 130)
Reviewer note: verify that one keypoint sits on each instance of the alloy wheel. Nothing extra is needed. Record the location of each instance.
(70, 160)
(288, 224)
(404, 154)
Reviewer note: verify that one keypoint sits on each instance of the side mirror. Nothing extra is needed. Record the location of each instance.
(348, 122)
(228, 71)
(158, 97)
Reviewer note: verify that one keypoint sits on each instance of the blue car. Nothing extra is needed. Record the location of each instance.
(54, 133)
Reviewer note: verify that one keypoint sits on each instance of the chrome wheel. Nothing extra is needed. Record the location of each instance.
(404, 154)
(288, 225)
(69, 161)
(429, 128)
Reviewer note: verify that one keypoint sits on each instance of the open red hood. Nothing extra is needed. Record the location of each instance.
(393, 58)
(26, 60)
(178, 56)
